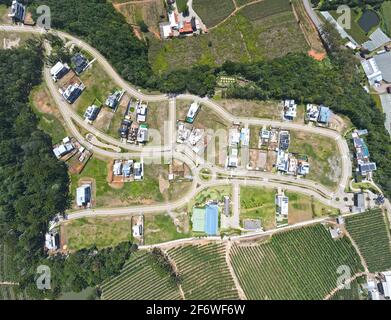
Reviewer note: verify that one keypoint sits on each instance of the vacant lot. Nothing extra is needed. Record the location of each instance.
(150, 12)
(213, 12)
(161, 228)
(253, 108)
(294, 265)
(98, 86)
(272, 35)
(50, 119)
(323, 156)
(101, 231)
(258, 203)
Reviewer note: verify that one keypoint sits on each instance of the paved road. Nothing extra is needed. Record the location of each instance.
(183, 153)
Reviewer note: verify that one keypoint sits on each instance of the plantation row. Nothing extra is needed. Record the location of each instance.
(298, 264)
(204, 272)
(370, 233)
(139, 281)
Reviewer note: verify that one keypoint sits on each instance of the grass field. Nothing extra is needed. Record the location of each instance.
(259, 203)
(204, 271)
(372, 236)
(213, 12)
(145, 192)
(294, 265)
(323, 157)
(253, 108)
(98, 86)
(100, 231)
(385, 13)
(139, 280)
(50, 119)
(161, 228)
(272, 35)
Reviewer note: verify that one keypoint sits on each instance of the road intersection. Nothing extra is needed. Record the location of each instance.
(170, 150)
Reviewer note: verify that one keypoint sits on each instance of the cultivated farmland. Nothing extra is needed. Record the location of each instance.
(204, 272)
(213, 12)
(298, 264)
(354, 293)
(370, 233)
(139, 280)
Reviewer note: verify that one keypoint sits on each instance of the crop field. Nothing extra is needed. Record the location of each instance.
(270, 35)
(371, 234)
(213, 12)
(139, 280)
(294, 265)
(204, 271)
(265, 9)
(323, 156)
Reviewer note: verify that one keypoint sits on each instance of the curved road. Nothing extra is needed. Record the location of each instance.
(183, 153)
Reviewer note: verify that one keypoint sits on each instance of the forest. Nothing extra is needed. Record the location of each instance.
(34, 187)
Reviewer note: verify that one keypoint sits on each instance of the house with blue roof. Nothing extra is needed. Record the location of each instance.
(324, 114)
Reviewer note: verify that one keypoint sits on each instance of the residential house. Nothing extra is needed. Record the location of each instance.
(282, 205)
(141, 112)
(324, 115)
(193, 111)
(142, 135)
(117, 168)
(359, 202)
(80, 63)
(18, 11)
(72, 92)
(91, 113)
(138, 171)
(83, 195)
(290, 109)
(284, 140)
(312, 113)
(59, 70)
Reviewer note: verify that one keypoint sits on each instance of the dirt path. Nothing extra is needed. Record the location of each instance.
(118, 5)
(241, 293)
(6, 283)
(363, 262)
(235, 11)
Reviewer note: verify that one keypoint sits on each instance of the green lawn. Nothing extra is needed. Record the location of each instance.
(160, 228)
(385, 13)
(101, 231)
(146, 191)
(98, 86)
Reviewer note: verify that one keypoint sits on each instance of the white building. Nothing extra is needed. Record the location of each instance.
(18, 11)
(59, 70)
(387, 284)
(233, 158)
(282, 203)
(83, 195)
(372, 71)
(290, 109)
(193, 111)
(117, 168)
(142, 110)
(142, 134)
(234, 137)
(245, 137)
(50, 241)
